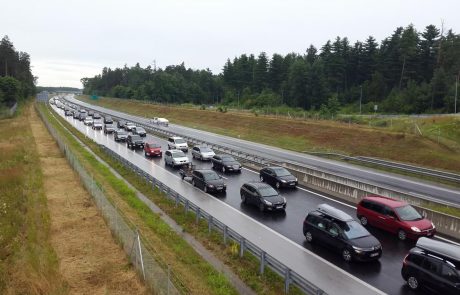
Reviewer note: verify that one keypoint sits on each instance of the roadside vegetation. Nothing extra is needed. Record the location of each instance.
(28, 263)
(246, 268)
(431, 142)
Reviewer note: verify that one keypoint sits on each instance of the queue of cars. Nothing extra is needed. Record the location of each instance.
(430, 264)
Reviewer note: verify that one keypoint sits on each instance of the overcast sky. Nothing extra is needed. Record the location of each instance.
(68, 40)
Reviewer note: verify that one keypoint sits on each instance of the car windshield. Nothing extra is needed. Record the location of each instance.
(281, 172)
(129, 124)
(205, 150)
(179, 141)
(353, 230)
(108, 125)
(211, 176)
(178, 155)
(267, 191)
(408, 213)
(154, 145)
(139, 129)
(122, 133)
(136, 137)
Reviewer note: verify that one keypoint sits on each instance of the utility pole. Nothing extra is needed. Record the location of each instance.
(360, 99)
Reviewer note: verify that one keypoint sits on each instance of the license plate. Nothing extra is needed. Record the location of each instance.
(279, 207)
(292, 183)
(374, 254)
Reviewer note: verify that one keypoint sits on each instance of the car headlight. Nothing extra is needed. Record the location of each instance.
(283, 181)
(225, 185)
(358, 249)
(415, 229)
(296, 180)
(210, 185)
(268, 203)
(432, 224)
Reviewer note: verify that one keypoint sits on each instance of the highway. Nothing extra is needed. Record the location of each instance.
(384, 274)
(397, 182)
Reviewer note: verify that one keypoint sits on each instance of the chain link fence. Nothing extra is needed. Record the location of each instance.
(155, 272)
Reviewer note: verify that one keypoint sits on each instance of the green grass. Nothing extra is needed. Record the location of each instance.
(28, 263)
(189, 260)
(246, 268)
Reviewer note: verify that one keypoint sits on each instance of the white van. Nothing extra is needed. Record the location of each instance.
(177, 143)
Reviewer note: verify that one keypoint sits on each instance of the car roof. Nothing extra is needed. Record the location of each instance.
(258, 184)
(176, 137)
(444, 249)
(175, 151)
(386, 201)
(333, 212)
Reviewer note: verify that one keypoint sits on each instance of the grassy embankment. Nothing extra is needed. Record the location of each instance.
(246, 268)
(390, 138)
(28, 263)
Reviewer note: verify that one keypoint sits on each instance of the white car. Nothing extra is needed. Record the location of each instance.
(88, 121)
(97, 124)
(202, 153)
(129, 126)
(177, 143)
(175, 158)
(160, 121)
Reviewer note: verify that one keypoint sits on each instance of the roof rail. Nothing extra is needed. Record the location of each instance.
(441, 248)
(334, 212)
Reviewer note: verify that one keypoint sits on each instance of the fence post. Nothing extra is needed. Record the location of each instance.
(177, 201)
(225, 234)
(242, 242)
(186, 206)
(140, 253)
(287, 280)
(209, 223)
(198, 212)
(262, 263)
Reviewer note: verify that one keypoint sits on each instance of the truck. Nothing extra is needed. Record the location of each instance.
(160, 121)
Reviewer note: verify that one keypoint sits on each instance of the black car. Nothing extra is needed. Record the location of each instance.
(263, 196)
(90, 113)
(278, 176)
(121, 124)
(120, 135)
(135, 142)
(68, 113)
(337, 230)
(225, 163)
(109, 128)
(433, 265)
(108, 120)
(208, 181)
(139, 131)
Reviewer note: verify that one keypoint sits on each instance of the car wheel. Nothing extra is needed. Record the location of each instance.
(205, 189)
(363, 220)
(278, 184)
(402, 235)
(243, 199)
(346, 255)
(413, 283)
(309, 237)
(261, 207)
(261, 178)
(223, 169)
(193, 182)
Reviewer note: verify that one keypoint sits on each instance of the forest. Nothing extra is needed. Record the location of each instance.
(407, 72)
(16, 80)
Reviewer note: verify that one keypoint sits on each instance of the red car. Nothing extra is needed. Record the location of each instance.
(394, 216)
(152, 149)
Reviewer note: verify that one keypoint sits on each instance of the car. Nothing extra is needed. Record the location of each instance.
(202, 153)
(82, 116)
(135, 142)
(76, 114)
(108, 120)
(225, 163)
(88, 121)
(109, 128)
(433, 265)
(120, 135)
(129, 126)
(209, 181)
(337, 230)
(96, 116)
(395, 216)
(121, 124)
(175, 158)
(90, 113)
(278, 177)
(177, 143)
(139, 131)
(263, 196)
(160, 121)
(97, 124)
(68, 113)
(152, 149)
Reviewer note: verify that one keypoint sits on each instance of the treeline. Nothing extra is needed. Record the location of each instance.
(409, 72)
(16, 79)
(57, 89)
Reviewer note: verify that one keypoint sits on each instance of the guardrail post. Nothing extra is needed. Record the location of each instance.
(209, 223)
(225, 234)
(242, 242)
(262, 262)
(198, 212)
(287, 280)
(186, 206)
(177, 201)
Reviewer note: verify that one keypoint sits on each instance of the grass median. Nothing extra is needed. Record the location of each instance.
(246, 268)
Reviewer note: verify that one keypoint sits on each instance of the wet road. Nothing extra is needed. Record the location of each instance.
(397, 182)
(384, 274)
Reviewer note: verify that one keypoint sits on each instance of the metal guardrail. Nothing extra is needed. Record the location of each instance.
(297, 167)
(290, 277)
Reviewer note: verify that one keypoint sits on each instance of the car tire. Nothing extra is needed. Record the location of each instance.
(402, 236)
(413, 283)
(346, 255)
(262, 178)
(261, 207)
(309, 237)
(223, 169)
(278, 184)
(363, 220)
